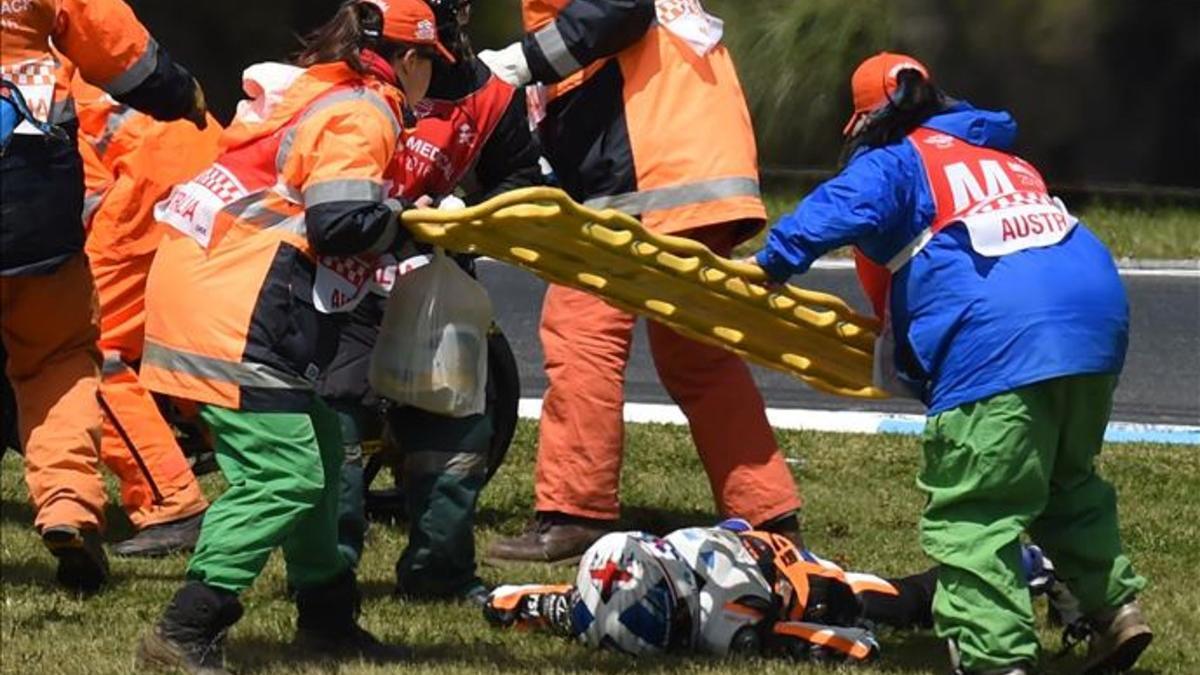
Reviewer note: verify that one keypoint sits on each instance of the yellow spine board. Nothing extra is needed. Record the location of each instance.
(679, 282)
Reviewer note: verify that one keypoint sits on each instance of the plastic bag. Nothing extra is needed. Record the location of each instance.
(432, 347)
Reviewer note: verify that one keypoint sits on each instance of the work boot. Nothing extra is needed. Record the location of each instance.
(190, 636)
(82, 565)
(1119, 636)
(156, 541)
(553, 538)
(327, 624)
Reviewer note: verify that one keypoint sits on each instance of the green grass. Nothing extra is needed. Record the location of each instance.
(862, 510)
(1144, 233)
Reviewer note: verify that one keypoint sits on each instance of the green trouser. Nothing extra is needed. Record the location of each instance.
(282, 470)
(1020, 461)
(445, 468)
(358, 423)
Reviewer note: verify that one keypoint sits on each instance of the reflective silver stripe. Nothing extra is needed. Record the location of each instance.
(384, 242)
(554, 48)
(136, 73)
(388, 237)
(91, 202)
(453, 463)
(637, 203)
(340, 96)
(912, 249)
(112, 364)
(250, 209)
(238, 207)
(348, 189)
(242, 374)
(111, 126)
(295, 224)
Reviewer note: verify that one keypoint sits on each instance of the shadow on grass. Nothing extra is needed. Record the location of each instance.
(254, 655)
(654, 520)
(19, 512)
(915, 653)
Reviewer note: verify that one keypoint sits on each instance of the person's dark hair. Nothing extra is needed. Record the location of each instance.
(452, 17)
(356, 25)
(916, 99)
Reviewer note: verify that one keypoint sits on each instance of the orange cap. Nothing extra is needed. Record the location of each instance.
(874, 82)
(412, 22)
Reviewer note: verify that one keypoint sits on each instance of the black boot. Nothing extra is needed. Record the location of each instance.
(162, 539)
(190, 636)
(82, 565)
(327, 624)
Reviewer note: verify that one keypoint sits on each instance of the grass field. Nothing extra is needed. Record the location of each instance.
(862, 511)
(1165, 232)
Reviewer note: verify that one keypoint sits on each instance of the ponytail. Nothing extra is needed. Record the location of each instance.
(342, 37)
(915, 100)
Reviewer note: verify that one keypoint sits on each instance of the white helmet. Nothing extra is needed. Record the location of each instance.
(735, 596)
(636, 595)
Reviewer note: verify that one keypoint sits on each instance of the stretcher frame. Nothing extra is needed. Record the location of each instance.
(813, 336)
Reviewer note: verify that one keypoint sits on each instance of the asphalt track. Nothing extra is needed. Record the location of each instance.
(1160, 385)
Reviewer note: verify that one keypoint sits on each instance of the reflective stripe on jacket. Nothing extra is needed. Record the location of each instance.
(231, 320)
(637, 119)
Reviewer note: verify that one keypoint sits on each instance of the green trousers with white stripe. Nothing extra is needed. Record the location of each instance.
(1020, 462)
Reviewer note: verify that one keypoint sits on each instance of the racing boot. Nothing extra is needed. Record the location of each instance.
(531, 606)
(162, 539)
(1119, 636)
(327, 625)
(552, 538)
(190, 636)
(82, 565)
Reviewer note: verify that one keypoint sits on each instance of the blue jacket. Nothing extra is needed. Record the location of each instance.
(966, 326)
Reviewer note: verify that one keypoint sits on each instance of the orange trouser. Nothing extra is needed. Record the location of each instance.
(157, 484)
(586, 343)
(48, 324)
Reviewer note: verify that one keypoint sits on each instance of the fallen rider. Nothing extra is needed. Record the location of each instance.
(731, 590)
(720, 590)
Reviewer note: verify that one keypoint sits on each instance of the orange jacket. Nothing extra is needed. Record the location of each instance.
(637, 119)
(231, 319)
(130, 162)
(41, 228)
(102, 37)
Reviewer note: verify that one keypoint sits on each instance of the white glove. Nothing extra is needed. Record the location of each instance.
(451, 203)
(508, 64)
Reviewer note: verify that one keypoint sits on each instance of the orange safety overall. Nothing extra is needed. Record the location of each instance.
(48, 309)
(130, 162)
(683, 139)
